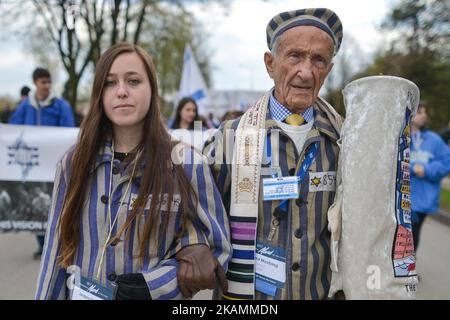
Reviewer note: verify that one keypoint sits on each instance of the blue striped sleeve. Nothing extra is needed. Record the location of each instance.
(212, 214)
(51, 277)
(210, 226)
(162, 280)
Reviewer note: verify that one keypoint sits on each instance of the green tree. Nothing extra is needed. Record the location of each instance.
(429, 71)
(420, 53)
(422, 24)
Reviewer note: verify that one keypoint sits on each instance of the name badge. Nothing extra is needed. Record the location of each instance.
(270, 268)
(322, 181)
(176, 201)
(280, 188)
(89, 289)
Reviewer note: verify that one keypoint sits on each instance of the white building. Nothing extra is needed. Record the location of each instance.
(228, 100)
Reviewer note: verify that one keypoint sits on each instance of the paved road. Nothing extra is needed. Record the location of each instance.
(19, 271)
(433, 260)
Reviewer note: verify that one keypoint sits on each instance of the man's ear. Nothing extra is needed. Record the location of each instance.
(268, 60)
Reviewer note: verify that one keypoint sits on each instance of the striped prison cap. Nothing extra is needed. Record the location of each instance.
(322, 18)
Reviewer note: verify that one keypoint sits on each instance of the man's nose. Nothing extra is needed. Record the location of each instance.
(305, 70)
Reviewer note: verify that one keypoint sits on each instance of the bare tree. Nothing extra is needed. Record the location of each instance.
(80, 30)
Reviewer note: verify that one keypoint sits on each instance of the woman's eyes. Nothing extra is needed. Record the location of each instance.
(133, 82)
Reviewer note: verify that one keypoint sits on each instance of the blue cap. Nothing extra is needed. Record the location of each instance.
(322, 18)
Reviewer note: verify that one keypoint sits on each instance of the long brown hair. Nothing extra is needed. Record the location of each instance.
(160, 175)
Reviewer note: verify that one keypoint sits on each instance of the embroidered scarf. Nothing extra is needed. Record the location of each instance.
(246, 167)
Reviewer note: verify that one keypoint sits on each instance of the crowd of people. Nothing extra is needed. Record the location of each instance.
(186, 113)
(143, 225)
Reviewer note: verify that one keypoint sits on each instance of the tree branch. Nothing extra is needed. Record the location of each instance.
(140, 21)
(51, 28)
(127, 20)
(115, 11)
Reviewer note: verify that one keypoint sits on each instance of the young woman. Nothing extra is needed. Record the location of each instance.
(186, 115)
(123, 206)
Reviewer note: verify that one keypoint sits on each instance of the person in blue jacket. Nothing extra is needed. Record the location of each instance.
(430, 163)
(43, 108)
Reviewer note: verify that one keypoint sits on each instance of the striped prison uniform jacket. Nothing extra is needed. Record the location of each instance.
(304, 232)
(210, 227)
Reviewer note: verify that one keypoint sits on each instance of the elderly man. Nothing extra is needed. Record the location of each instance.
(278, 200)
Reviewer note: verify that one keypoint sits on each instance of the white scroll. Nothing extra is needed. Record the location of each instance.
(376, 257)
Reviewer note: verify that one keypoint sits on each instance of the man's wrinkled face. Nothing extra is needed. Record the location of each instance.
(300, 65)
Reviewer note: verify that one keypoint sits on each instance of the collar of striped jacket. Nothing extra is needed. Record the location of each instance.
(105, 155)
(280, 112)
(321, 121)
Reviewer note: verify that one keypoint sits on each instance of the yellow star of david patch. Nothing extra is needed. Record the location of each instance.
(315, 181)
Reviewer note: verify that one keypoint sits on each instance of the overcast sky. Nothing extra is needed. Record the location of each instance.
(236, 39)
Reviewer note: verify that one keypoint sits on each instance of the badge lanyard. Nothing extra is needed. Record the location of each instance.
(283, 207)
(111, 225)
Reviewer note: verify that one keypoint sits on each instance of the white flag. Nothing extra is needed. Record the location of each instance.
(192, 83)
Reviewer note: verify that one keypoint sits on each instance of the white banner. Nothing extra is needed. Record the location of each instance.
(28, 159)
(31, 153)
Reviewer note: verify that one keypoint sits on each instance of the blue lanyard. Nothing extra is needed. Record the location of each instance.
(309, 157)
(269, 153)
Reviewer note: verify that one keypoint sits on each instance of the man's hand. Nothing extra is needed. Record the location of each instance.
(198, 270)
(419, 170)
